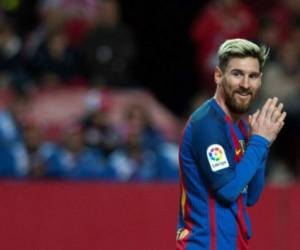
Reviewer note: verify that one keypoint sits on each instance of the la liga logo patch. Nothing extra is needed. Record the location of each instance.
(216, 157)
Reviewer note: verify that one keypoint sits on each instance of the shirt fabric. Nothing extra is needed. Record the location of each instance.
(221, 173)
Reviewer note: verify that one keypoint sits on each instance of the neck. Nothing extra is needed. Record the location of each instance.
(233, 116)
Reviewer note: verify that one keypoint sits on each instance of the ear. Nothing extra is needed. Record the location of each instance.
(218, 75)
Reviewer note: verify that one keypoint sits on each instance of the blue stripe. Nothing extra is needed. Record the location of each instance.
(226, 226)
(197, 197)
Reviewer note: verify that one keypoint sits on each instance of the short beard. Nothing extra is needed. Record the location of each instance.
(232, 104)
(235, 107)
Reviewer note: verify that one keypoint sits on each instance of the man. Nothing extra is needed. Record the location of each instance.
(222, 159)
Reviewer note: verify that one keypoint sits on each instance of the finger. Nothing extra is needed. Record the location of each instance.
(277, 112)
(265, 108)
(275, 116)
(254, 118)
(280, 107)
(272, 108)
(281, 118)
(281, 126)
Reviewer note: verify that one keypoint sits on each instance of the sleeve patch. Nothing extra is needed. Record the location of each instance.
(216, 157)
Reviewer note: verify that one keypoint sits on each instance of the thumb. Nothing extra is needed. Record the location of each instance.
(250, 119)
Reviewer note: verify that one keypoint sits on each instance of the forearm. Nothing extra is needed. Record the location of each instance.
(256, 185)
(245, 170)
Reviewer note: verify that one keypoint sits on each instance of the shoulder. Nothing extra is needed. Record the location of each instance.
(207, 120)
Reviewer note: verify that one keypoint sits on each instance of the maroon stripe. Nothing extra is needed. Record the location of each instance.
(243, 129)
(242, 242)
(234, 138)
(182, 244)
(212, 220)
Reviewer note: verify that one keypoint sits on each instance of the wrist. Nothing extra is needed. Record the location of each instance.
(260, 140)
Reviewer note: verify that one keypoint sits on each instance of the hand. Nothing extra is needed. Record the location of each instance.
(269, 121)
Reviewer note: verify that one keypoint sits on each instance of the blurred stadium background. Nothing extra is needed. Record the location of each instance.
(93, 97)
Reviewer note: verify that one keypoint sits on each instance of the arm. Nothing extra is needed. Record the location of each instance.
(248, 171)
(256, 185)
(230, 179)
(275, 116)
(265, 124)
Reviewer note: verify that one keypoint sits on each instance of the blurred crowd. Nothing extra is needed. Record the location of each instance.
(76, 43)
(86, 43)
(89, 147)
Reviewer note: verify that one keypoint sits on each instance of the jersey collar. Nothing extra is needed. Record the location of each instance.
(218, 108)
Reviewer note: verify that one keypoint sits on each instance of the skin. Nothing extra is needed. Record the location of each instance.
(237, 87)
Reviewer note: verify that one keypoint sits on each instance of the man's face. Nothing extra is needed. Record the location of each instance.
(240, 82)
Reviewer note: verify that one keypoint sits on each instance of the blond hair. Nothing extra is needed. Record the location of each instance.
(241, 48)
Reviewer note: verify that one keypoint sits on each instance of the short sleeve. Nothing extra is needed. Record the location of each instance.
(213, 152)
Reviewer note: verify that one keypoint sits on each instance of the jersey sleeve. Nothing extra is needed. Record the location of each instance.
(212, 153)
(245, 170)
(257, 183)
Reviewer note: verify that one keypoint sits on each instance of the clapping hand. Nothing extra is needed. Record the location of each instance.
(268, 121)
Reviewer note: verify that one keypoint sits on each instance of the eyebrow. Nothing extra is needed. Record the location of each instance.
(242, 71)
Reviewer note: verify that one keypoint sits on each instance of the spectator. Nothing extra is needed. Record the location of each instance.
(133, 162)
(283, 14)
(269, 34)
(51, 17)
(13, 157)
(54, 59)
(109, 48)
(138, 122)
(137, 159)
(99, 132)
(73, 160)
(220, 20)
(81, 16)
(12, 70)
(75, 16)
(38, 151)
(168, 162)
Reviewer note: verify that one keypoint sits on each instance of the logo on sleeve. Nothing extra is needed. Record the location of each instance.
(216, 157)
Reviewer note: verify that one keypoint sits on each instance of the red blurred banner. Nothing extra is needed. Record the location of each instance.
(108, 216)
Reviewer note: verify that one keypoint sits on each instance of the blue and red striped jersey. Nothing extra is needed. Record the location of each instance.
(221, 173)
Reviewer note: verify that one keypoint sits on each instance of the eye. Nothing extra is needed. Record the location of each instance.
(236, 73)
(254, 76)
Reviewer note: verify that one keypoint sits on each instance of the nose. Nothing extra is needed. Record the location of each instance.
(245, 82)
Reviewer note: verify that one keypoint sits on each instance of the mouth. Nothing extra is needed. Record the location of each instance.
(243, 95)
